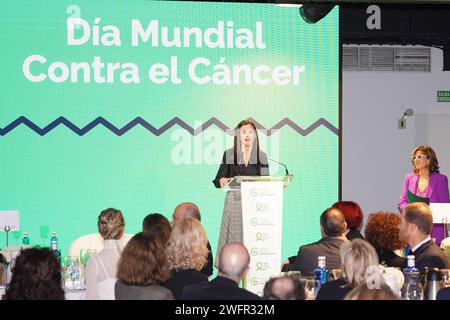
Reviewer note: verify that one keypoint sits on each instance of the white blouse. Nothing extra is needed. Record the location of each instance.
(95, 272)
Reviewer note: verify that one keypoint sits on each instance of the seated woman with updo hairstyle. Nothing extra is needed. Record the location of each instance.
(187, 253)
(382, 233)
(101, 268)
(142, 268)
(36, 276)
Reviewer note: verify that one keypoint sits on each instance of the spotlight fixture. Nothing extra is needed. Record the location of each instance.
(314, 12)
(402, 121)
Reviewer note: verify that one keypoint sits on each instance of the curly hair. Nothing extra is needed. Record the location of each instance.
(382, 231)
(111, 224)
(187, 245)
(36, 276)
(144, 261)
(352, 213)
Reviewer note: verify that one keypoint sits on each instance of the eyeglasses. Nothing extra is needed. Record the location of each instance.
(419, 157)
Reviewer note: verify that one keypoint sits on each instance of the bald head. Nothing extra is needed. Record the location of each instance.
(284, 288)
(186, 210)
(333, 222)
(234, 260)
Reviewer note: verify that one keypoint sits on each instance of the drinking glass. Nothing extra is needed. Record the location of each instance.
(311, 289)
(414, 291)
(336, 273)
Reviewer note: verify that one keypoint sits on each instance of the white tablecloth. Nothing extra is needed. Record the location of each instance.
(69, 293)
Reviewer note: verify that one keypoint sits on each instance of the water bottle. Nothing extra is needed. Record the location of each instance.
(321, 272)
(54, 246)
(25, 240)
(411, 267)
(411, 273)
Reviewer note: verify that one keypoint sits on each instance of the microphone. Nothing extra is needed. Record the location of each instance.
(285, 168)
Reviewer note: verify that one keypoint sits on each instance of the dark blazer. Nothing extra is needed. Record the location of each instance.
(208, 268)
(429, 255)
(334, 290)
(306, 260)
(354, 234)
(220, 288)
(389, 258)
(181, 279)
(230, 168)
(443, 294)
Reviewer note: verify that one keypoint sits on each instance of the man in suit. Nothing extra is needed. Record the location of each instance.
(332, 227)
(234, 262)
(415, 228)
(191, 210)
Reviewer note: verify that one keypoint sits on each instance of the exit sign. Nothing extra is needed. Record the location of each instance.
(443, 96)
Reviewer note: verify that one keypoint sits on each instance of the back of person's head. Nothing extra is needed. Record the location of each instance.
(234, 260)
(284, 288)
(359, 261)
(111, 224)
(363, 292)
(382, 231)
(333, 222)
(419, 214)
(187, 247)
(186, 210)
(143, 261)
(158, 224)
(36, 276)
(352, 213)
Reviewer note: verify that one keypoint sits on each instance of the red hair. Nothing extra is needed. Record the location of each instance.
(352, 213)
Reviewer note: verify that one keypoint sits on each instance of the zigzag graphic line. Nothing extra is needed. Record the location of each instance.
(157, 132)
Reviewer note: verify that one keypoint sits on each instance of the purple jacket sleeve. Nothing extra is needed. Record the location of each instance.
(442, 194)
(403, 197)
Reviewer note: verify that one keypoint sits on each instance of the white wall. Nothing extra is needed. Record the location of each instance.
(375, 153)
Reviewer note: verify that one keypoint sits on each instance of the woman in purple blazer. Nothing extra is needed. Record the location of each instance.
(426, 182)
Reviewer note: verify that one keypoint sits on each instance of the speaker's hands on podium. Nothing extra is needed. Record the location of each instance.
(224, 181)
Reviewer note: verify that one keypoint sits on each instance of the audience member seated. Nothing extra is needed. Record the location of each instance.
(191, 210)
(94, 242)
(187, 253)
(359, 262)
(284, 288)
(363, 292)
(383, 234)
(234, 262)
(142, 267)
(159, 224)
(332, 227)
(101, 268)
(36, 275)
(415, 228)
(353, 217)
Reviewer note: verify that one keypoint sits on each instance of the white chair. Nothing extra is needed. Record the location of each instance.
(94, 241)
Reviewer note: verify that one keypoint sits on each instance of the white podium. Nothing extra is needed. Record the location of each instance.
(262, 208)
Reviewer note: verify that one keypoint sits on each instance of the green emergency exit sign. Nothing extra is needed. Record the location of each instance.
(443, 96)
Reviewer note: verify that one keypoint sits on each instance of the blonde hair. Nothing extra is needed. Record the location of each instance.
(187, 247)
(111, 224)
(362, 292)
(356, 258)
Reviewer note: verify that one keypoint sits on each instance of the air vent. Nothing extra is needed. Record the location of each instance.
(371, 58)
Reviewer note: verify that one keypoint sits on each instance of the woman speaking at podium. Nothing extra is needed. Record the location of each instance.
(425, 184)
(244, 159)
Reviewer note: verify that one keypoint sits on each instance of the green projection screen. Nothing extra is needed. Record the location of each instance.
(125, 104)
